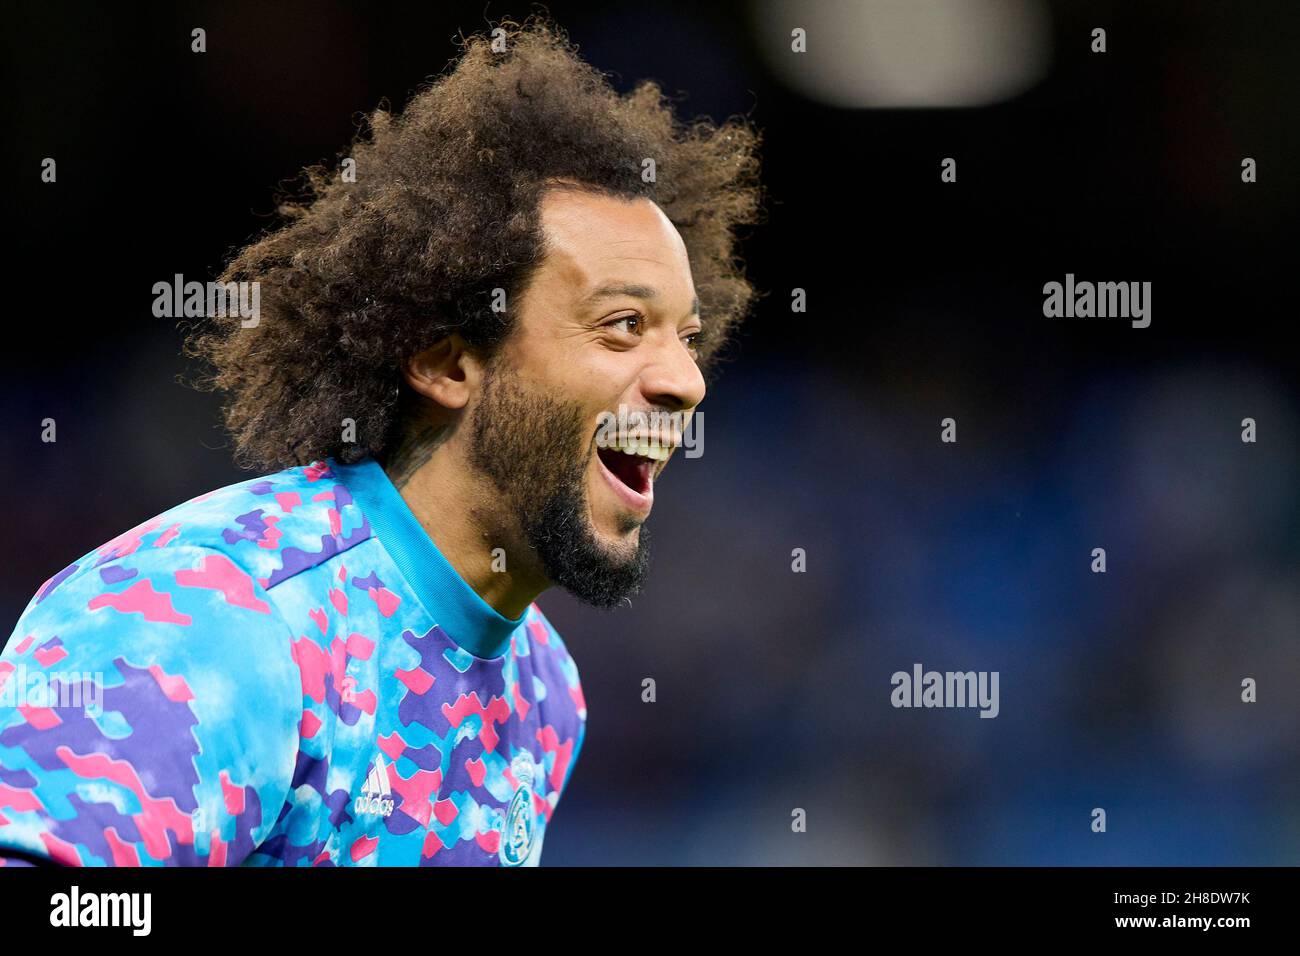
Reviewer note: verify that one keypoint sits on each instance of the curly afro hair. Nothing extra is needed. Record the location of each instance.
(444, 209)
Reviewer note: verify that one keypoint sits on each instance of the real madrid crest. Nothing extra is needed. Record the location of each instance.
(519, 830)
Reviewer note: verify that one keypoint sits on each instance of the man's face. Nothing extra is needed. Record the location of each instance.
(608, 323)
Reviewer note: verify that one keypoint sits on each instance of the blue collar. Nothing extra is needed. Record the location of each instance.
(455, 606)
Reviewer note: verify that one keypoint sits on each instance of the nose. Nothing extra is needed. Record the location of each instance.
(672, 379)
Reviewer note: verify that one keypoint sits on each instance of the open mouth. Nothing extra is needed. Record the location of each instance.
(635, 471)
(630, 465)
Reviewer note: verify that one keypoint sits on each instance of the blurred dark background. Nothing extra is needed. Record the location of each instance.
(1118, 690)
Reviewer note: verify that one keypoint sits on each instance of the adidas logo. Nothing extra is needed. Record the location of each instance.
(377, 798)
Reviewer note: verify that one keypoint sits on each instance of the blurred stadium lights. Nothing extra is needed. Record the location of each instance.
(907, 53)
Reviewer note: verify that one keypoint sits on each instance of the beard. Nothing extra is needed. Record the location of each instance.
(531, 447)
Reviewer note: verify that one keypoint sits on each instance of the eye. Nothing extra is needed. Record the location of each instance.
(633, 323)
(695, 341)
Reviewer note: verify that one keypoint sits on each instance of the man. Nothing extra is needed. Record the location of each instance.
(340, 663)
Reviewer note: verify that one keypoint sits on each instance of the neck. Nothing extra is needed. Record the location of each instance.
(435, 480)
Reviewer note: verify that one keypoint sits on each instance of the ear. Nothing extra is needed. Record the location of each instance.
(447, 373)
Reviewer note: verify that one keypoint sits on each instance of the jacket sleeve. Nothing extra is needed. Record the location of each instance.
(149, 711)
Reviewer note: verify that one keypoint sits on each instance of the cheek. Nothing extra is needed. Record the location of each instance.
(582, 372)
(594, 386)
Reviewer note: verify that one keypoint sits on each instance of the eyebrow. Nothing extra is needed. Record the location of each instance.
(635, 291)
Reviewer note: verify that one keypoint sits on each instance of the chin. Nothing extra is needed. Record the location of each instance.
(619, 536)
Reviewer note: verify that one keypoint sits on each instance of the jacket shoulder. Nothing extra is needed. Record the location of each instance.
(272, 527)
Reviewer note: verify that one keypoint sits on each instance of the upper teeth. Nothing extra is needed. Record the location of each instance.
(644, 448)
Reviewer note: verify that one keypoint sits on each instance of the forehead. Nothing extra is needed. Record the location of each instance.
(593, 239)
